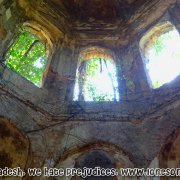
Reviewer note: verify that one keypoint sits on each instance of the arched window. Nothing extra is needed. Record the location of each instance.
(27, 56)
(161, 49)
(96, 76)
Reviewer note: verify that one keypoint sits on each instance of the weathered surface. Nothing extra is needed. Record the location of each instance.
(131, 132)
(14, 146)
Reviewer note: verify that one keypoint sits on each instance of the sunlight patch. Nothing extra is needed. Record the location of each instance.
(163, 58)
(96, 78)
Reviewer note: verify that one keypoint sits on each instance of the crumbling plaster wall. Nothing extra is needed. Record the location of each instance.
(55, 126)
(14, 149)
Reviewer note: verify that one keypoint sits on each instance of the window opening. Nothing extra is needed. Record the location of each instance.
(96, 77)
(27, 56)
(163, 57)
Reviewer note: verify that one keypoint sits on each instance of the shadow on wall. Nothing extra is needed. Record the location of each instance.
(170, 153)
(14, 146)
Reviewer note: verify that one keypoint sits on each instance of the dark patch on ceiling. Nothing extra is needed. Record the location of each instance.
(105, 10)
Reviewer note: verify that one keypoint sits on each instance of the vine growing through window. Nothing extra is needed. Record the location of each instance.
(96, 80)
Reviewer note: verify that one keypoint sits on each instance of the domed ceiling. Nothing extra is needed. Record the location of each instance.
(88, 10)
(118, 21)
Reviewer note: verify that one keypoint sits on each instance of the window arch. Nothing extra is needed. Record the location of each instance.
(28, 54)
(160, 48)
(96, 76)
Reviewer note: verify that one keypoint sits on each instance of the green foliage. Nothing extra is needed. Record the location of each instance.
(164, 56)
(92, 67)
(160, 42)
(157, 46)
(98, 96)
(95, 80)
(130, 84)
(30, 64)
(156, 84)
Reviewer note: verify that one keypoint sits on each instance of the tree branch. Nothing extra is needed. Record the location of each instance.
(31, 46)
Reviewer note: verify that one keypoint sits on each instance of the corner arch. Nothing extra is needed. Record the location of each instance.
(115, 157)
(14, 146)
(169, 156)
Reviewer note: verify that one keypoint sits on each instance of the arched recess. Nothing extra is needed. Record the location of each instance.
(160, 50)
(97, 154)
(96, 76)
(14, 147)
(30, 51)
(47, 38)
(40, 31)
(169, 156)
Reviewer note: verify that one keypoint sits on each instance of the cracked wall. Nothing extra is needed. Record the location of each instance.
(133, 131)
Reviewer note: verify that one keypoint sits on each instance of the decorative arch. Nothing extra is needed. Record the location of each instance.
(150, 36)
(41, 32)
(96, 75)
(111, 155)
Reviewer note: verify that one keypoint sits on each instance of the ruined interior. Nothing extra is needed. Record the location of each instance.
(43, 126)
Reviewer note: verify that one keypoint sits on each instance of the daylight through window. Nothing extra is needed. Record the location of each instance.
(27, 56)
(163, 57)
(96, 77)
